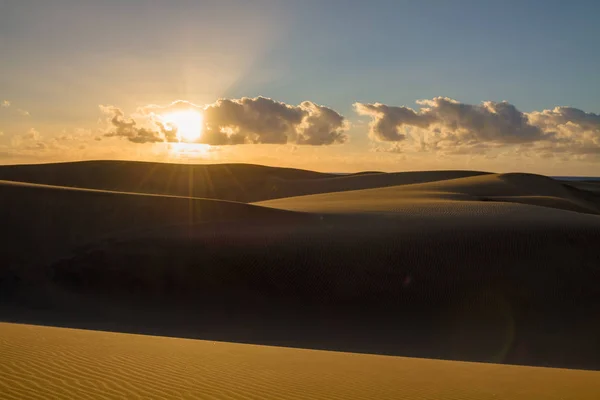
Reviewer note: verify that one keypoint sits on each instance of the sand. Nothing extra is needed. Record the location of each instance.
(513, 188)
(43, 222)
(590, 186)
(43, 362)
(235, 182)
(456, 265)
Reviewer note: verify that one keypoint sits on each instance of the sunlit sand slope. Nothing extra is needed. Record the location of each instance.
(280, 188)
(56, 363)
(470, 192)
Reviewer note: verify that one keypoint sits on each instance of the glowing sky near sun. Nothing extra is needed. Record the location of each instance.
(187, 123)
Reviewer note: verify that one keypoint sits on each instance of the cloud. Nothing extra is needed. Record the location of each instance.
(321, 126)
(30, 140)
(444, 124)
(575, 131)
(262, 120)
(387, 121)
(558, 116)
(8, 104)
(122, 127)
(247, 120)
(32, 143)
(452, 121)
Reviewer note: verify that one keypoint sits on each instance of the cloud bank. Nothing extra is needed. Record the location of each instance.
(440, 125)
(257, 120)
(447, 125)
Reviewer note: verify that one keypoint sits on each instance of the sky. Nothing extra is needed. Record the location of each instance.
(332, 85)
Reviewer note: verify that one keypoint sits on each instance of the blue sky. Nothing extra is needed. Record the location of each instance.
(536, 54)
(62, 58)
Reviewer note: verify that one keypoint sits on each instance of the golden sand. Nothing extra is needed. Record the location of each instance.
(53, 363)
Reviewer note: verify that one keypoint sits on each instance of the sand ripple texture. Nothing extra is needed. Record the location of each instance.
(58, 363)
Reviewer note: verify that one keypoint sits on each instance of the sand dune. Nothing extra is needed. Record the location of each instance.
(456, 265)
(43, 363)
(281, 188)
(517, 188)
(253, 183)
(478, 280)
(41, 222)
(591, 186)
(235, 182)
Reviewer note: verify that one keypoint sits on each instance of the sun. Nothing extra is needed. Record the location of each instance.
(189, 124)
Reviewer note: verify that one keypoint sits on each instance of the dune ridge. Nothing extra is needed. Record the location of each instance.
(253, 183)
(235, 182)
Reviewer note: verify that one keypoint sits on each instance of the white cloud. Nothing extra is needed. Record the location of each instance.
(575, 131)
(5, 104)
(446, 125)
(452, 121)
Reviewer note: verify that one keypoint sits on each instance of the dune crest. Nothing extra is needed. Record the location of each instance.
(235, 182)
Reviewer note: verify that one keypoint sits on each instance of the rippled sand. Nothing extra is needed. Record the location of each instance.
(48, 363)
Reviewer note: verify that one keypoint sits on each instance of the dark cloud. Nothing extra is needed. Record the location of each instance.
(387, 121)
(262, 120)
(247, 120)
